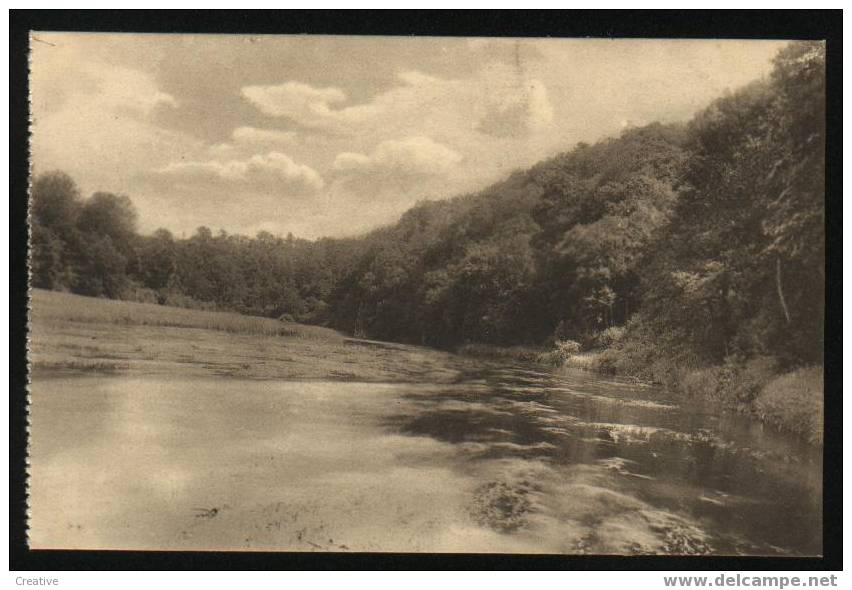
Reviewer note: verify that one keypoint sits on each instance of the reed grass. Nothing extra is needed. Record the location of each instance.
(795, 402)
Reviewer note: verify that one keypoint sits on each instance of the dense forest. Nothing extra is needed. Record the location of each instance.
(677, 246)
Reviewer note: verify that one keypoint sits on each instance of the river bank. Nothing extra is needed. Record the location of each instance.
(792, 402)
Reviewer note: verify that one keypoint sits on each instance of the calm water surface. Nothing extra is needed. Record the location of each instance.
(512, 459)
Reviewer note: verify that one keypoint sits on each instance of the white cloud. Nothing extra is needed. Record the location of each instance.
(307, 105)
(348, 161)
(124, 88)
(499, 101)
(95, 119)
(285, 99)
(412, 156)
(249, 140)
(272, 170)
(64, 73)
(255, 136)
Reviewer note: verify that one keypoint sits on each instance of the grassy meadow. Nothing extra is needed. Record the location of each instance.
(74, 334)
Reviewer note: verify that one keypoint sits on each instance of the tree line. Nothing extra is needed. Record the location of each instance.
(698, 241)
(91, 247)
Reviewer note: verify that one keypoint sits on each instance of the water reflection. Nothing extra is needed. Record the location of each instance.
(703, 484)
(505, 459)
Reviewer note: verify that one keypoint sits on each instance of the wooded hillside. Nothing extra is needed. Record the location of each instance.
(690, 243)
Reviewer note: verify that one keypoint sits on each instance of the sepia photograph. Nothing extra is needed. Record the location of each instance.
(423, 294)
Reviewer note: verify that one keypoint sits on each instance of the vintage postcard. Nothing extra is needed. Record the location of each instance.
(422, 294)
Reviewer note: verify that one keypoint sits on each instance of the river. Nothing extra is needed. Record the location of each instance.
(505, 459)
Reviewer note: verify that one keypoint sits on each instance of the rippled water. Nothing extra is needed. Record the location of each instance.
(511, 459)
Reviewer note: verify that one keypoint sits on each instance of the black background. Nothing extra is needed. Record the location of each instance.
(774, 24)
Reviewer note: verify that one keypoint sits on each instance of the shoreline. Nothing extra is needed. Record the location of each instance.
(783, 401)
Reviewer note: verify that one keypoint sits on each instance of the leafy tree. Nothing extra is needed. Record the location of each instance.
(54, 207)
(156, 259)
(109, 215)
(46, 266)
(740, 269)
(55, 203)
(102, 271)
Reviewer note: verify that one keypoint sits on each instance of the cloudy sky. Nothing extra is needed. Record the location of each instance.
(336, 135)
